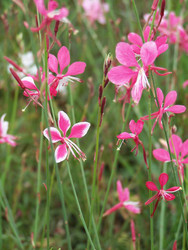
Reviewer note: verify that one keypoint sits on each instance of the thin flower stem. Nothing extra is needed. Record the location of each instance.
(162, 219)
(149, 171)
(38, 180)
(79, 208)
(113, 170)
(138, 19)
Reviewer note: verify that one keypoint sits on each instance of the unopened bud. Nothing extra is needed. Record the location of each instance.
(102, 109)
(100, 94)
(56, 27)
(101, 171)
(17, 78)
(13, 63)
(154, 5)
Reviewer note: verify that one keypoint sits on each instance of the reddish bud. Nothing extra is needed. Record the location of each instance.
(56, 27)
(17, 78)
(154, 5)
(13, 63)
(175, 245)
(106, 82)
(162, 8)
(100, 94)
(102, 109)
(101, 171)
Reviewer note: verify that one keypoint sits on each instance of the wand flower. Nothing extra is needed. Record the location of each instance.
(78, 130)
(124, 198)
(161, 193)
(4, 137)
(165, 107)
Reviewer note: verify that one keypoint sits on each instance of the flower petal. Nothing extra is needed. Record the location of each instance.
(152, 199)
(176, 109)
(135, 39)
(148, 53)
(161, 155)
(175, 142)
(184, 150)
(40, 6)
(169, 197)
(63, 122)
(160, 96)
(123, 194)
(3, 126)
(125, 55)
(120, 75)
(133, 209)
(125, 135)
(139, 127)
(173, 189)
(60, 153)
(163, 178)
(114, 208)
(170, 98)
(79, 129)
(76, 68)
(53, 63)
(151, 186)
(63, 58)
(28, 83)
(55, 134)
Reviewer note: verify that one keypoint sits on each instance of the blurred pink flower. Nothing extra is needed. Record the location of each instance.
(161, 193)
(63, 60)
(185, 84)
(181, 150)
(165, 107)
(136, 129)
(4, 137)
(78, 130)
(94, 10)
(124, 199)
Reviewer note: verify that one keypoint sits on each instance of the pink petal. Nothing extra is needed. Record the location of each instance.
(133, 209)
(3, 126)
(146, 33)
(163, 178)
(63, 58)
(53, 63)
(52, 5)
(79, 129)
(40, 6)
(132, 126)
(161, 40)
(185, 160)
(63, 122)
(152, 199)
(169, 197)
(137, 90)
(124, 136)
(55, 134)
(170, 98)
(151, 186)
(139, 127)
(173, 189)
(63, 12)
(123, 194)
(60, 153)
(160, 96)
(161, 155)
(120, 75)
(76, 68)
(176, 109)
(184, 150)
(148, 53)
(28, 82)
(135, 39)
(114, 208)
(125, 54)
(177, 144)
(162, 49)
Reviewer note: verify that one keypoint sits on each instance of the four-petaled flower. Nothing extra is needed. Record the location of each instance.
(161, 193)
(63, 59)
(78, 130)
(4, 137)
(136, 129)
(124, 199)
(165, 107)
(181, 150)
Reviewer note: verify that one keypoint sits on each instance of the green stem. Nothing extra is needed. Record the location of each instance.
(79, 208)
(48, 199)
(113, 170)
(138, 19)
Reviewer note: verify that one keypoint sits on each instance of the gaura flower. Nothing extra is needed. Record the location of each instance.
(136, 129)
(161, 193)
(178, 149)
(4, 137)
(63, 60)
(164, 107)
(78, 130)
(124, 198)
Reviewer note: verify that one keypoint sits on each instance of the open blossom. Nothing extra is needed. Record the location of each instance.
(136, 129)
(165, 107)
(135, 67)
(94, 10)
(161, 193)
(63, 60)
(180, 152)
(78, 130)
(4, 137)
(124, 198)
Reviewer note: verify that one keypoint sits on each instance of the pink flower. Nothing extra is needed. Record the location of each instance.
(136, 129)
(4, 137)
(165, 107)
(78, 130)
(181, 150)
(185, 84)
(124, 199)
(122, 75)
(94, 10)
(63, 60)
(161, 193)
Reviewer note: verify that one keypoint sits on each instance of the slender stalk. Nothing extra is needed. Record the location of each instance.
(113, 170)
(78, 205)
(138, 19)
(48, 199)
